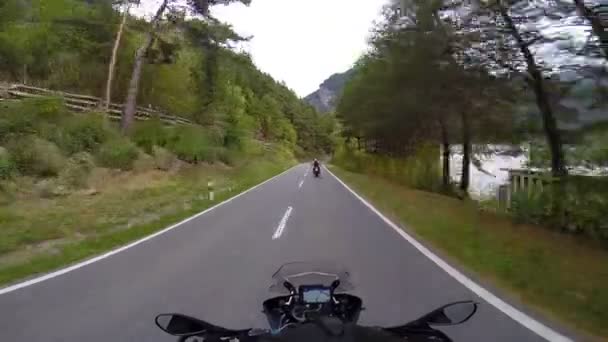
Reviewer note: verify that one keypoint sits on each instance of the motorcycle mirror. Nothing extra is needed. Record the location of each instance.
(289, 287)
(451, 314)
(180, 325)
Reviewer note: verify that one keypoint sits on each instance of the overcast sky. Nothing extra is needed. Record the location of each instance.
(302, 42)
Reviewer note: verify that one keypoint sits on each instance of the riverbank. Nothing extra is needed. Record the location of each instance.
(560, 276)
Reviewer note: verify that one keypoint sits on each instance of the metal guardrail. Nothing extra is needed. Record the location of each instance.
(87, 103)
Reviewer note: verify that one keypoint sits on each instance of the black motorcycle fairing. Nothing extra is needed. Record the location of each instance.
(420, 332)
(303, 312)
(184, 326)
(277, 310)
(284, 310)
(348, 307)
(348, 332)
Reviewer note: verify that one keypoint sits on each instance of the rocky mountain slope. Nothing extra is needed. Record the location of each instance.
(326, 97)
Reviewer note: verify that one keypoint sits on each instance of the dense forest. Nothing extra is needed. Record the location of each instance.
(190, 68)
(439, 75)
(78, 183)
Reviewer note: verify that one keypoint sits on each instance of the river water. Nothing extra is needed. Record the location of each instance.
(484, 184)
(486, 179)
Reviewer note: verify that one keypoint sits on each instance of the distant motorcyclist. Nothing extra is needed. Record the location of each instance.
(316, 167)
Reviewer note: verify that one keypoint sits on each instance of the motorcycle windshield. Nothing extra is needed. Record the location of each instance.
(310, 273)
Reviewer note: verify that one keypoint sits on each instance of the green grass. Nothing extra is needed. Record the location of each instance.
(419, 170)
(39, 235)
(562, 276)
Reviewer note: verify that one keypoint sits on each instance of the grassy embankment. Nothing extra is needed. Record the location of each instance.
(71, 188)
(562, 276)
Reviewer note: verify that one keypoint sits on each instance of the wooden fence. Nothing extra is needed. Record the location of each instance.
(86, 103)
(526, 181)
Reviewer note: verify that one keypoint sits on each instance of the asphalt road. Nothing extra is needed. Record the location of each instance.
(218, 267)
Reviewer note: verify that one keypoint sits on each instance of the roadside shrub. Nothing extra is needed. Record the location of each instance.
(301, 154)
(150, 133)
(531, 209)
(36, 157)
(228, 156)
(118, 153)
(192, 144)
(48, 119)
(14, 122)
(252, 147)
(7, 194)
(163, 158)
(282, 154)
(76, 172)
(599, 156)
(419, 170)
(7, 166)
(50, 188)
(83, 133)
(584, 202)
(25, 117)
(46, 108)
(144, 162)
(577, 205)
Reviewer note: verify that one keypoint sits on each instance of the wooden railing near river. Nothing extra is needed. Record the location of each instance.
(522, 180)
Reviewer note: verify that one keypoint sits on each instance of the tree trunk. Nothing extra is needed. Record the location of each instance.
(108, 98)
(542, 100)
(596, 24)
(446, 154)
(466, 153)
(210, 82)
(130, 106)
(210, 72)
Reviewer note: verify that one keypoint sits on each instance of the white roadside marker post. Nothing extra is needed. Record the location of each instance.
(210, 189)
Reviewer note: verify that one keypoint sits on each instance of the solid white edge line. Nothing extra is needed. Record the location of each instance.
(518, 316)
(281, 227)
(132, 244)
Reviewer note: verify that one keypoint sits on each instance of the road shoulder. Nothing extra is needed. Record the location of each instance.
(77, 254)
(428, 224)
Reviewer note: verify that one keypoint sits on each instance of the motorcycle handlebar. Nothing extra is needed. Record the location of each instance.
(421, 329)
(414, 335)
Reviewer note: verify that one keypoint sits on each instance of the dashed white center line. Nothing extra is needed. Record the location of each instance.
(282, 224)
(301, 183)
